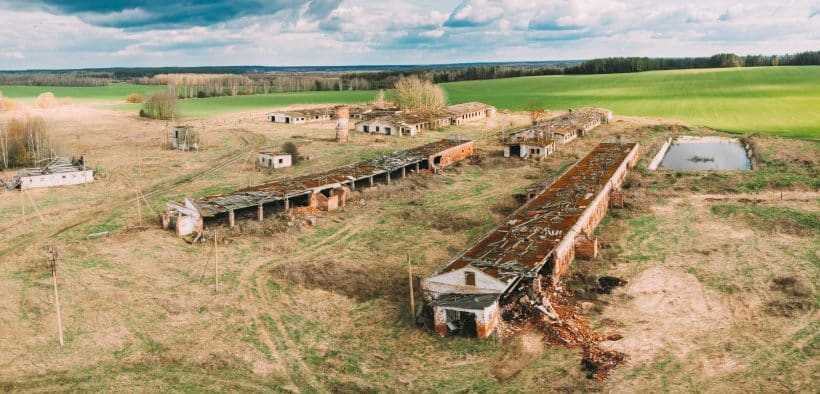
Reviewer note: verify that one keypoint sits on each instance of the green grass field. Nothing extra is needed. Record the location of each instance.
(772, 100)
(116, 91)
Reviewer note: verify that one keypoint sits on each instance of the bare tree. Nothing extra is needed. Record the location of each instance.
(25, 142)
(417, 95)
(536, 110)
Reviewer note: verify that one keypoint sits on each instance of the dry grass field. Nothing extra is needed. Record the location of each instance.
(721, 270)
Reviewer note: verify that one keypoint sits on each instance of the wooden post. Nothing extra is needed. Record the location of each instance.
(35, 207)
(216, 264)
(139, 207)
(410, 279)
(23, 205)
(53, 262)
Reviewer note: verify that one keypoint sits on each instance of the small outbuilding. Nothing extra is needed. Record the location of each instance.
(275, 159)
(184, 137)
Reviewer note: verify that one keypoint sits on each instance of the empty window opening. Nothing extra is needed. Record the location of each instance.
(469, 278)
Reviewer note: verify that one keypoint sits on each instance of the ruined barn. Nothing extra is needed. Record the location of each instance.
(58, 171)
(301, 116)
(326, 190)
(469, 112)
(536, 243)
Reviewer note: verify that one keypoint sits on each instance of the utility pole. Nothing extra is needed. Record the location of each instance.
(216, 264)
(52, 260)
(410, 281)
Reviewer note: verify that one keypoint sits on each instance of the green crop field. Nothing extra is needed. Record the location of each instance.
(771, 100)
(116, 91)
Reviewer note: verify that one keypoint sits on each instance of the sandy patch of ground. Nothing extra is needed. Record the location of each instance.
(666, 311)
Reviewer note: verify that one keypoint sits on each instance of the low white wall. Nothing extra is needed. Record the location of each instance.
(656, 161)
(60, 179)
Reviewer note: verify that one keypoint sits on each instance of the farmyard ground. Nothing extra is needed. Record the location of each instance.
(325, 307)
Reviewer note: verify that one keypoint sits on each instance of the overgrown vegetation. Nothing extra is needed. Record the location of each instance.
(162, 105)
(24, 141)
(417, 95)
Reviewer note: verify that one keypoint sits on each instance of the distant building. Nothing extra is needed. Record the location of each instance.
(469, 112)
(411, 123)
(275, 159)
(301, 116)
(403, 124)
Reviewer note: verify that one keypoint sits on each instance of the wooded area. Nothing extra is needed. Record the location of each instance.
(204, 82)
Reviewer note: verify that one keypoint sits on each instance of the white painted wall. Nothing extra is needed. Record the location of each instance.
(275, 161)
(60, 179)
(453, 282)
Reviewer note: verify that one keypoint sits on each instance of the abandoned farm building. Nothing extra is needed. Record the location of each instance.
(404, 124)
(274, 159)
(410, 124)
(184, 137)
(529, 144)
(541, 140)
(301, 116)
(326, 190)
(469, 112)
(536, 243)
(59, 171)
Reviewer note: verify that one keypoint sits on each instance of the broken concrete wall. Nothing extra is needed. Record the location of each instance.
(451, 155)
(486, 319)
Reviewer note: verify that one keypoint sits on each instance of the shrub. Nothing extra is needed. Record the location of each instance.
(134, 98)
(293, 150)
(160, 105)
(47, 100)
(6, 104)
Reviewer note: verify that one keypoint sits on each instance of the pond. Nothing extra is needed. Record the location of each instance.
(705, 153)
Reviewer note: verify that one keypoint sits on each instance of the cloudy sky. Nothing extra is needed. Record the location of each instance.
(104, 33)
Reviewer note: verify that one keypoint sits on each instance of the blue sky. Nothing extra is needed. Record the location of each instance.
(105, 33)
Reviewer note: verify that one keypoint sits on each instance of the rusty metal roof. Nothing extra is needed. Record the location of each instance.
(521, 244)
(289, 187)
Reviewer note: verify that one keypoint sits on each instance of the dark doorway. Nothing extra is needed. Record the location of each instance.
(515, 150)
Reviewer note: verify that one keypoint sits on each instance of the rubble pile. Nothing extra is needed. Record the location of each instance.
(554, 313)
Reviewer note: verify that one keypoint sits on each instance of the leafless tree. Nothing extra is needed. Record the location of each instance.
(417, 95)
(537, 111)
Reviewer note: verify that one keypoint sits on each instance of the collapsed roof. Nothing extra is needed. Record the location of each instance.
(523, 243)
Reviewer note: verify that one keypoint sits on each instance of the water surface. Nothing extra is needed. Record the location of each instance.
(696, 156)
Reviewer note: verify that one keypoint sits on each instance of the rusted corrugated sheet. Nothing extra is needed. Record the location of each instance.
(523, 243)
(290, 187)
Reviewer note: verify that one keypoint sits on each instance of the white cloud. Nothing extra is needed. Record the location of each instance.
(418, 31)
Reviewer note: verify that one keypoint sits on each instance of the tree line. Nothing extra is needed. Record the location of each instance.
(721, 60)
(55, 79)
(246, 80)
